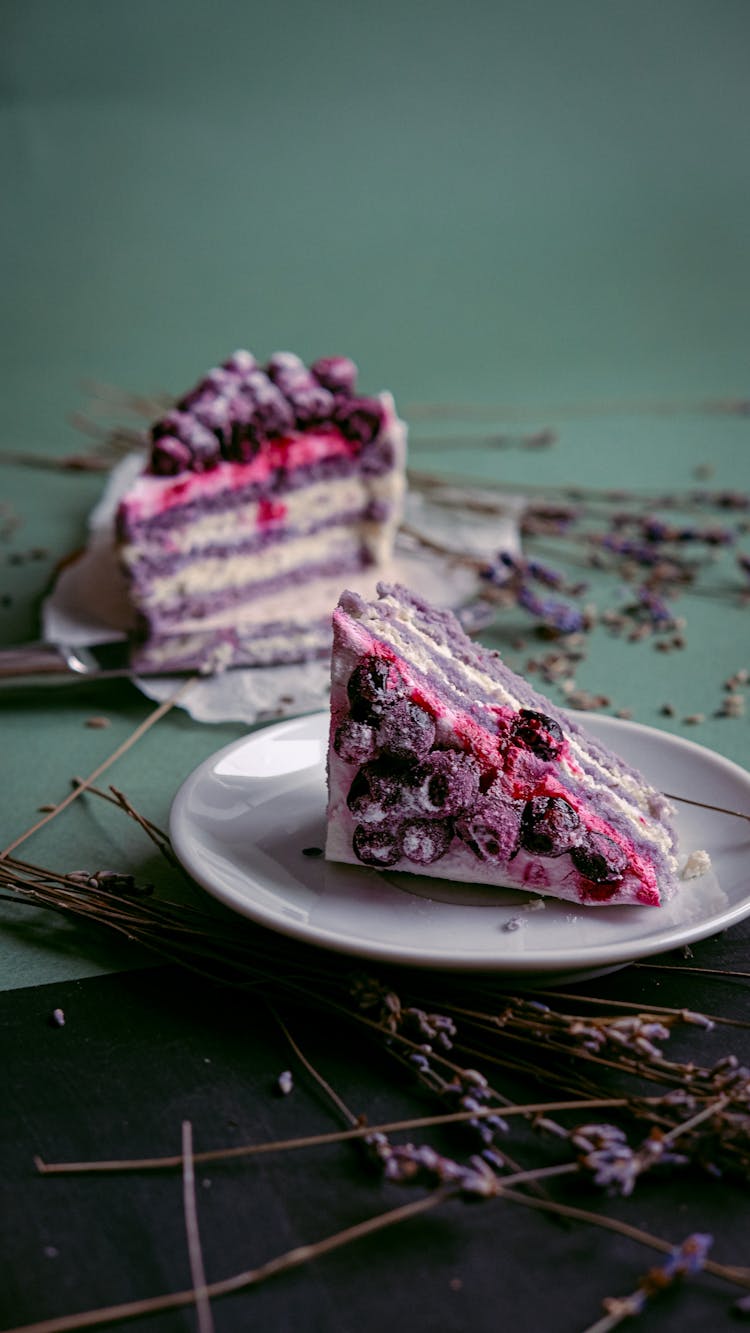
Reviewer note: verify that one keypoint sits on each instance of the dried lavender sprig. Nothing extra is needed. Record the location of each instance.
(323, 1083)
(732, 1273)
(453, 1069)
(733, 1144)
(523, 1023)
(685, 1260)
(735, 406)
(77, 462)
(437, 483)
(358, 1131)
(537, 439)
(689, 1016)
(634, 1034)
(160, 839)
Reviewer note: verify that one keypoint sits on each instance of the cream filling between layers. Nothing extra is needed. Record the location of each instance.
(302, 509)
(486, 686)
(215, 574)
(265, 645)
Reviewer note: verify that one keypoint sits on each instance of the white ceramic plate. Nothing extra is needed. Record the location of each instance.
(241, 822)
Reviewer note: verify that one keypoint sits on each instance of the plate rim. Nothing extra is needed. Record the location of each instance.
(595, 956)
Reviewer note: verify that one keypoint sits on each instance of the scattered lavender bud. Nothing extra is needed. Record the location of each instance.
(285, 1082)
(57, 1018)
(732, 705)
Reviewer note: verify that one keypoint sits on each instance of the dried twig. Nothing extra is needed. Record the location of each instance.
(131, 740)
(195, 1253)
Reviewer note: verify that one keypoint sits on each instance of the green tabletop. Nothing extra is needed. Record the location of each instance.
(539, 210)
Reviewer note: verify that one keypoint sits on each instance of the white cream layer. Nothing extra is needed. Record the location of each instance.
(217, 574)
(259, 645)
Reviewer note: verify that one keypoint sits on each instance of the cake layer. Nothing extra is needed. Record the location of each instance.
(551, 808)
(231, 579)
(271, 643)
(255, 523)
(300, 509)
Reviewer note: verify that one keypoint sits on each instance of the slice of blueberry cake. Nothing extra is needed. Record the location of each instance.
(263, 489)
(442, 761)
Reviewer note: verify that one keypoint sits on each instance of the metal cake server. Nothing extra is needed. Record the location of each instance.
(46, 664)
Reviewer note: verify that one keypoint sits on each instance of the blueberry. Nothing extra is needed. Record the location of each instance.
(243, 443)
(269, 412)
(311, 404)
(169, 456)
(359, 419)
(336, 373)
(537, 732)
(599, 859)
(549, 826)
(172, 423)
(374, 792)
(240, 362)
(203, 445)
(354, 741)
(445, 783)
(375, 846)
(200, 442)
(406, 731)
(215, 413)
(425, 840)
(368, 690)
(492, 830)
(221, 380)
(286, 365)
